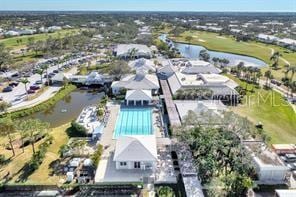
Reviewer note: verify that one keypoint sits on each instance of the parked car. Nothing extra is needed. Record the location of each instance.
(38, 82)
(7, 89)
(31, 91)
(34, 87)
(276, 82)
(13, 84)
(290, 157)
(55, 71)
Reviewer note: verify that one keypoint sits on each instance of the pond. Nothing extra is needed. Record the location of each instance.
(192, 52)
(69, 108)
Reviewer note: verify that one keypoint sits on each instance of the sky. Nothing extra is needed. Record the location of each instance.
(152, 5)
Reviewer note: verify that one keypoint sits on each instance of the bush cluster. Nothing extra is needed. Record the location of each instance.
(97, 155)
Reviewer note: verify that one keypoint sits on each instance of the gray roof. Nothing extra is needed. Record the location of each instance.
(223, 89)
(201, 69)
(124, 49)
(138, 81)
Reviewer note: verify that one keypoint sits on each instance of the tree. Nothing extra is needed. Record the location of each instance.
(293, 70)
(268, 76)
(7, 129)
(40, 72)
(22, 128)
(45, 67)
(189, 39)
(119, 68)
(35, 130)
(132, 53)
(275, 58)
(25, 81)
(5, 58)
(4, 106)
(204, 55)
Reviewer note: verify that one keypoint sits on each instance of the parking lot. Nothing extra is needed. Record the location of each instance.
(17, 94)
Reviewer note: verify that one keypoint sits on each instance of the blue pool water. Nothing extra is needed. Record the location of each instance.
(134, 121)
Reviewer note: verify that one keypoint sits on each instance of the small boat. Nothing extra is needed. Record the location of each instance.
(64, 110)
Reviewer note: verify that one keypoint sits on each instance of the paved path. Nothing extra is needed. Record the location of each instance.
(107, 142)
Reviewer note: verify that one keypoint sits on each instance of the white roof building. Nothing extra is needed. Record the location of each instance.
(141, 51)
(11, 33)
(138, 95)
(135, 152)
(140, 81)
(214, 108)
(267, 38)
(135, 148)
(145, 64)
(219, 84)
(200, 67)
(285, 193)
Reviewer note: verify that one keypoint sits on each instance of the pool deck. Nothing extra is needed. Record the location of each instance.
(106, 171)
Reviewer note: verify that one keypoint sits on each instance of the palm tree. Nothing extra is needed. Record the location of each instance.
(275, 58)
(45, 67)
(287, 70)
(40, 72)
(132, 53)
(293, 70)
(268, 76)
(240, 68)
(7, 128)
(25, 81)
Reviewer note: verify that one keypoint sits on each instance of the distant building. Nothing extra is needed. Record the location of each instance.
(288, 43)
(267, 38)
(12, 33)
(54, 28)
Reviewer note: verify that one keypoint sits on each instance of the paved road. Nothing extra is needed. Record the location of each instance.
(20, 93)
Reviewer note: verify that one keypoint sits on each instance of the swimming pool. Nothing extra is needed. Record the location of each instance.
(134, 121)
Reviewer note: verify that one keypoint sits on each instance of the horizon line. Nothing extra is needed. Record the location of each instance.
(196, 11)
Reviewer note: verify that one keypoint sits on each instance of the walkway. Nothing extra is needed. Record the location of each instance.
(170, 105)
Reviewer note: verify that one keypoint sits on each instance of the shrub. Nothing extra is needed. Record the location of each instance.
(2, 159)
(97, 155)
(76, 130)
(165, 191)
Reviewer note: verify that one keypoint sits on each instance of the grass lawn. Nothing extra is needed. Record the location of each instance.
(213, 41)
(12, 42)
(42, 175)
(269, 108)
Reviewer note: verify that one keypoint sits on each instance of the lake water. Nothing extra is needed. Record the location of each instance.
(192, 52)
(69, 108)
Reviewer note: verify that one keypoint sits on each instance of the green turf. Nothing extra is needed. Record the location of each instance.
(269, 108)
(12, 42)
